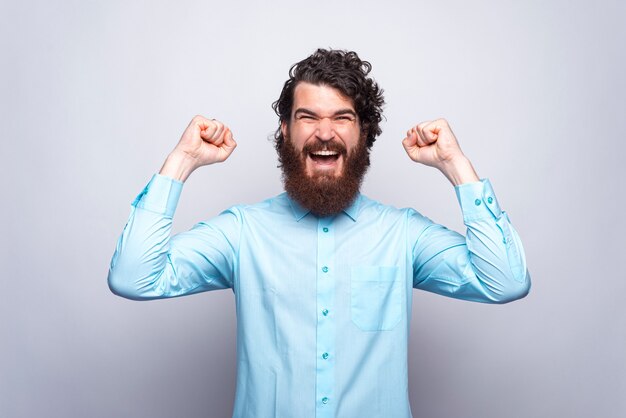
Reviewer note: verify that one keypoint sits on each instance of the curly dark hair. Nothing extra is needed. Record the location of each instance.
(344, 71)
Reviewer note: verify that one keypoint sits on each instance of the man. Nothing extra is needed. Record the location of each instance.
(322, 275)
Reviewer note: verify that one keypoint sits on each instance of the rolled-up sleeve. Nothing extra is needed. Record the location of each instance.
(148, 263)
(487, 265)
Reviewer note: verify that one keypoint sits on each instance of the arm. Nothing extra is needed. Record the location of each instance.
(147, 263)
(488, 265)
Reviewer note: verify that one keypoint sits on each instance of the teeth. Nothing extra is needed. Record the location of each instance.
(325, 152)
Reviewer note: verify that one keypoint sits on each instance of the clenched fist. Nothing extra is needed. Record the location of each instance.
(204, 142)
(432, 143)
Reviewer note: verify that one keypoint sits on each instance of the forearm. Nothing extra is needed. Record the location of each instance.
(497, 260)
(178, 166)
(149, 263)
(140, 261)
(487, 265)
(494, 248)
(459, 171)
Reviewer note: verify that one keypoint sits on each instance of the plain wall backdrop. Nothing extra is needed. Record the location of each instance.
(94, 95)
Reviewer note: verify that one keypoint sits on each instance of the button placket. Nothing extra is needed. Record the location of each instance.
(490, 200)
(325, 323)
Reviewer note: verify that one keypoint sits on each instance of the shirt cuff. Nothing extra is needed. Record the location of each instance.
(160, 195)
(478, 200)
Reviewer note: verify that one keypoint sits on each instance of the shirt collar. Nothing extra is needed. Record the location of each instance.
(300, 212)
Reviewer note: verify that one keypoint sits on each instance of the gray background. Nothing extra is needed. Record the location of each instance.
(95, 94)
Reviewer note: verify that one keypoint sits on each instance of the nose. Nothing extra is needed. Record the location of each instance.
(325, 130)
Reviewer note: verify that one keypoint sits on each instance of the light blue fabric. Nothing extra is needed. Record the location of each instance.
(323, 304)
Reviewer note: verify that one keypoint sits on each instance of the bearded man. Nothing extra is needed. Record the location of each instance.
(322, 275)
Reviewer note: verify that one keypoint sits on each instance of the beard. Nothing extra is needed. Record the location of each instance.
(324, 194)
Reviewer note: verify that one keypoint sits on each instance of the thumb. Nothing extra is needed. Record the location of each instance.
(432, 133)
(229, 144)
(410, 145)
(429, 133)
(229, 140)
(410, 141)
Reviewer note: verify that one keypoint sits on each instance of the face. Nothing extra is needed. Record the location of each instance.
(322, 158)
(324, 127)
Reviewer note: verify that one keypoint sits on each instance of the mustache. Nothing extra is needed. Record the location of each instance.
(325, 146)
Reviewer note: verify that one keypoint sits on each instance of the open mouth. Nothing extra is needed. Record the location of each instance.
(324, 156)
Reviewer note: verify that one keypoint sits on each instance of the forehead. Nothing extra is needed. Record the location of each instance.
(319, 98)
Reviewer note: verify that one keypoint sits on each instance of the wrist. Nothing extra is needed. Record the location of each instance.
(459, 170)
(178, 165)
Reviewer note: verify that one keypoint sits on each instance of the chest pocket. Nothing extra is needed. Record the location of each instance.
(376, 297)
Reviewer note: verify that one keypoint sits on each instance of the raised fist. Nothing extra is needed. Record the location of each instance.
(204, 142)
(432, 143)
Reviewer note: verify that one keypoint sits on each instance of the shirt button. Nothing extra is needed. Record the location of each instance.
(325, 229)
(325, 269)
(324, 400)
(477, 202)
(325, 312)
(325, 356)
(490, 200)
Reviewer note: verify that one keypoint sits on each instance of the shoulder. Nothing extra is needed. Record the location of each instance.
(372, 209)
(232, 220)
(273, 206)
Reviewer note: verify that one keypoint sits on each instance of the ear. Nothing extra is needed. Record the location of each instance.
(284, 129)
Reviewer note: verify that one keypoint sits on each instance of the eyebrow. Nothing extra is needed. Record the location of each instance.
(339, 112)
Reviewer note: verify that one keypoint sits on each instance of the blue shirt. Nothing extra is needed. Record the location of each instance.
(323, 304)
